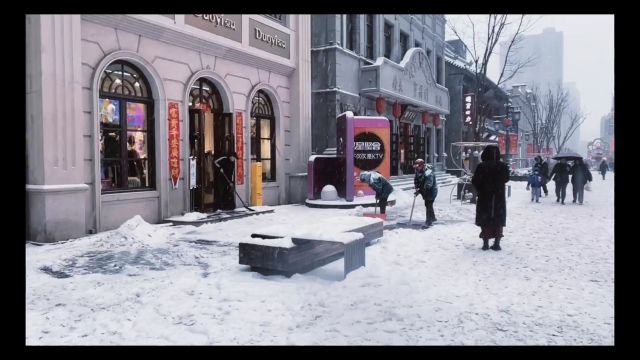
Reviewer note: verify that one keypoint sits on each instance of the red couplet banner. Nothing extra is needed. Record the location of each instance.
(174, 143)
(239, 149)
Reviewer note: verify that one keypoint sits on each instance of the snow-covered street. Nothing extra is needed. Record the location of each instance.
(552, 284)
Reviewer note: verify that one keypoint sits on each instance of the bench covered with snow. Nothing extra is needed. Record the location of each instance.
(287, 249)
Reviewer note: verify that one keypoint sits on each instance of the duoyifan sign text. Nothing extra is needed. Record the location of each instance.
(469, 108)
(269, 39)
(229, 26)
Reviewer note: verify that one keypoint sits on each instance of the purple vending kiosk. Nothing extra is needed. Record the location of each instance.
(363, 144)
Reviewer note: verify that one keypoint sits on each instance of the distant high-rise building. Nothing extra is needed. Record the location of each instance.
(573, 143)
(546, 49)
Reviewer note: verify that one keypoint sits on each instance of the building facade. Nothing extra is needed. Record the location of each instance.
(607, 130)
(389, 65)
(573, 107)
(127, 113)
(460, 80)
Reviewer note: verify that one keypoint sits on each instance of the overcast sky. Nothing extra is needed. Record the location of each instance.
(588, 61)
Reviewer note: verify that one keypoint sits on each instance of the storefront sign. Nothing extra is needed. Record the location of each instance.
(362, 143)
(229, 26)
(269, 39)
(469, 108)
(371, 150)
(174, 143)
(239, 149)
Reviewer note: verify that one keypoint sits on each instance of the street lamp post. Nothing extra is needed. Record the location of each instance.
(507, 125)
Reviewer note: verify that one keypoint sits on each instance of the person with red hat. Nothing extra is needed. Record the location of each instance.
(425, 184)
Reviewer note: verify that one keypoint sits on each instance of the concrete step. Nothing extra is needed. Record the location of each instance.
(405, 182)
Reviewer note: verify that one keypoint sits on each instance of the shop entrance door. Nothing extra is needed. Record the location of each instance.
(201, 138)
(210, 138)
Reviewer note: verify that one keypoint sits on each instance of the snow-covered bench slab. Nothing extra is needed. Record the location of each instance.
(287, 250)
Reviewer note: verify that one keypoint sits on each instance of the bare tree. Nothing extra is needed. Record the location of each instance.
(482, 45)
(532, 113)
(549, 117)
(563, 133)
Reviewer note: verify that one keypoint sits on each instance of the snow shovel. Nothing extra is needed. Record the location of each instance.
(412, 206)
(375, 213)
(409, 224)
(234, 189)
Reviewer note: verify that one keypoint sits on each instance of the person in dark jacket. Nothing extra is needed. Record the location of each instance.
(560, 174)
(542, 168)
(580, 174)
(380, 185)
(603, 167)
(224, 179)
(491, 207)
(535, 183)
(544, 172)
(425, 185)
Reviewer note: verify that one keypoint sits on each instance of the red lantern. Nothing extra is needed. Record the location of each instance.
(397, 110)
(436, 120)
(507, 122)
(425, 118)
(380, 104)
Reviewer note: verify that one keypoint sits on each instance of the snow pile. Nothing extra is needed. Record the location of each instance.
(328, 228)
(552, 284)
(192, 216)
(284, 242)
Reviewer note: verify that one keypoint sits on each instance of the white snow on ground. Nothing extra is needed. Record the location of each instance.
(552, 283)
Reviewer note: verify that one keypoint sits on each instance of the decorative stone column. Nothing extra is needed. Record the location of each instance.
(56, 189)
(300, 111)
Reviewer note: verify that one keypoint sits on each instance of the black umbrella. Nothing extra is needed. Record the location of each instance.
(568, 156)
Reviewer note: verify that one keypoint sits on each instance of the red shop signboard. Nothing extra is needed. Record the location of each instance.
(174, 143)
(239, 149)
(513, 146)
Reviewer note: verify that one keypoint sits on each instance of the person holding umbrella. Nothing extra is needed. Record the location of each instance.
(560, 174)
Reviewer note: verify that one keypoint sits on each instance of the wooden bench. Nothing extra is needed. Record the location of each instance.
(304, 254)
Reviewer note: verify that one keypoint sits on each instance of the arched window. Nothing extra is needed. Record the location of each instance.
(204, 95)
(125, 113)
(263, 135)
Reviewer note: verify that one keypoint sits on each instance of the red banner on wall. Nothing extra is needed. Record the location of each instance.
(174, 143)
(239, 149)
(513, 146)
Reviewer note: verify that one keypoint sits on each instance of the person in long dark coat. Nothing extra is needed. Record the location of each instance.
(603, 168)
(560, 174)
(580, 174)
(491, 207)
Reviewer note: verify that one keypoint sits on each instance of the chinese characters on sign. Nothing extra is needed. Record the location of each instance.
(174, 143)
(468, 107)
(239, 150)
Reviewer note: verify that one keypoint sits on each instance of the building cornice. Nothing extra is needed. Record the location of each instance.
(178, 37)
